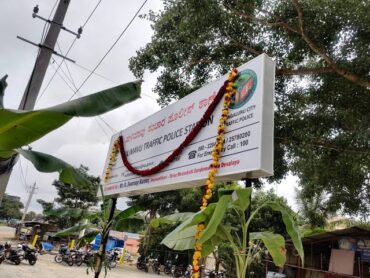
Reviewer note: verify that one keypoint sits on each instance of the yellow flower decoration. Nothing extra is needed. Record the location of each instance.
(217, 148)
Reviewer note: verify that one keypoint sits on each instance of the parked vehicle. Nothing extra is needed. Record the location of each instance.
(112, 257)
(29, 254)
(156, 266)
(2, 253)
(188, 271)
(64, 256)
(77, 257)
(178, 270)
(142, 263)
(10, 254)
(214, 274)
(168, 267)
(88, 258)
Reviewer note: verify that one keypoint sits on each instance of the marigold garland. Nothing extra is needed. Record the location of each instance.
(112, 160)
(215, 164)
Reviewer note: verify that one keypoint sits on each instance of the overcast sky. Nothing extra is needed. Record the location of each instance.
(82, 140)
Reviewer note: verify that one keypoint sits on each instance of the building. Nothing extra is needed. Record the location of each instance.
(338, 253)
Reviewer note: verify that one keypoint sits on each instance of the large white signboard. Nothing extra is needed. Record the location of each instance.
(248, 147)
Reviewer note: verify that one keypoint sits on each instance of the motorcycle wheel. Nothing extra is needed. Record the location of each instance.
(112, 263)
(32, 261)
(58, 259)
(70, 261)
(78, 261)
(17, 261)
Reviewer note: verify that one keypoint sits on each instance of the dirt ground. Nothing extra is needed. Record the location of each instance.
(47, 268)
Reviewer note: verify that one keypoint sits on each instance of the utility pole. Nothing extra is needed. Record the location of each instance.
(33, 188)
(43, 59)
(18, 228)
(37, 76)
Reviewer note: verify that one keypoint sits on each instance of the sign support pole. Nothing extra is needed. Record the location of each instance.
(247, 214)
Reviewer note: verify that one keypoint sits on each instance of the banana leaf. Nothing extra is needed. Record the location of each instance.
(74, 230)
(275, 244)
(19, 128)
(291, 228)
(47, 163)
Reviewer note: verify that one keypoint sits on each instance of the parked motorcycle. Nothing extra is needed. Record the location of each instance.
(214, 274)
(64, 256)
(178, 270)
(2, 253)
(88, 258)
(188, 271)
(168, 267)
(142, 263)
(156, 266)
(112, 257)
(10, 253)
(29, 254)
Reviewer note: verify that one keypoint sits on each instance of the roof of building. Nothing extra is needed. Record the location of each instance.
(354, 231)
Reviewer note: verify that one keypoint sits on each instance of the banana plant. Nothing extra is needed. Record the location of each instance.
(217, 230)
(127, 220)
(19, 128)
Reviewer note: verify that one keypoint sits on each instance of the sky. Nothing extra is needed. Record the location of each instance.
(82, 140)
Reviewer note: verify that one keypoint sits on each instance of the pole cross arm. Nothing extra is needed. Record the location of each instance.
(46, 47)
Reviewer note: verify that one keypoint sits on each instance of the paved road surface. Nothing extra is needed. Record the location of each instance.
(47, 268)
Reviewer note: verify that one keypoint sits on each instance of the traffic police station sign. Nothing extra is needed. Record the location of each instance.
(247, 150)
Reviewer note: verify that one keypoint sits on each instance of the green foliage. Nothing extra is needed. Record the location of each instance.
(47, 163)
(10, 208)
(218, 231)
(312, 210)
(31, 215)
(73, 201)
(19, 128)
(84, 195)
(322, 57)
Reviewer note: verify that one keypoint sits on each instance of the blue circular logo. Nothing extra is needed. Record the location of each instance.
(246, 84)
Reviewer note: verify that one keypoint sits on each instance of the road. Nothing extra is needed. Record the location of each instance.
(47, 268)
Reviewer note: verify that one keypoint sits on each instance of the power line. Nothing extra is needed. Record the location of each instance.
(110, 49)
(69, 49)
(74, 90)
(66, 65)
(23, 177)
(107, 78)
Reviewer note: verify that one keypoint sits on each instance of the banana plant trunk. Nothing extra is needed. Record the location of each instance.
(100, 256)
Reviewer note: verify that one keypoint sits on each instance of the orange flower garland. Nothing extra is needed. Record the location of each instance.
(112, 159)
(230, 91)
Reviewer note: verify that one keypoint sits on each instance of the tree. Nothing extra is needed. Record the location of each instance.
(312, 210)
(73, 202)
(78, 197)
(31, 215)
(11, 207)
(322, 83)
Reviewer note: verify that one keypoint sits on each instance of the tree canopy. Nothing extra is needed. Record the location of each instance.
(11, 207)
(322, 55)
(78, 196)
(72, 202)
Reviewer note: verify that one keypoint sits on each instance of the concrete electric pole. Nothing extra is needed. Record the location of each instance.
(33, 188)
(43, 59)
(37, 76)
